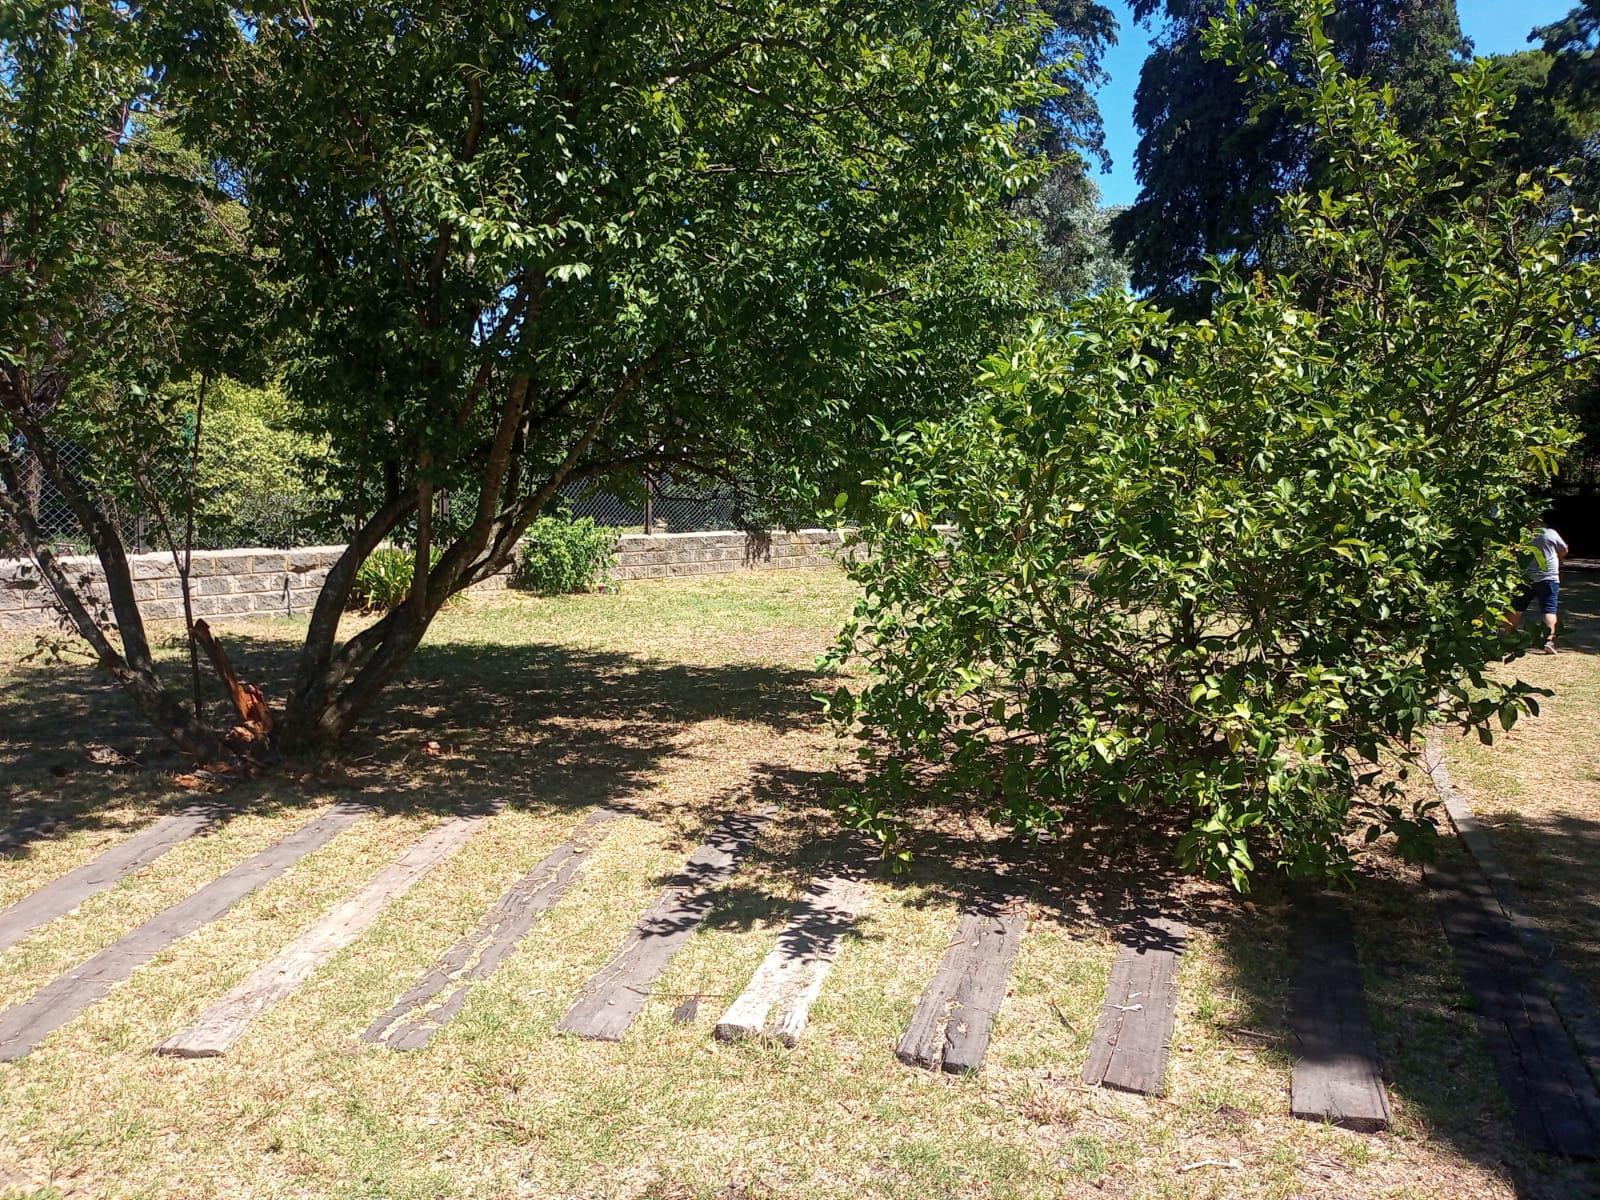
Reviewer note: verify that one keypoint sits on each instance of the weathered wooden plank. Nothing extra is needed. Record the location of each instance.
(616, 993)
(417, 1015)
(1336, 1076)
(224, 1022)
(1134, 1034)
(1569, 997)
(1555, 1106)
(778, 999)
(23, 1026)
(62, 895)
(954, 1020)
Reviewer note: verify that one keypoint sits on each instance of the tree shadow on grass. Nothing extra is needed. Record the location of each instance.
(536, 726)
(553, 727)
(1553, 860)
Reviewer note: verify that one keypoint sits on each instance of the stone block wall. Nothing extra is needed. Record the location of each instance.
(285, 583)
(663, 555)
(225, 583)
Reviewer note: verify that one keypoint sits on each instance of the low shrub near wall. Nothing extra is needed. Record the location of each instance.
(559, 556)
(384, 579)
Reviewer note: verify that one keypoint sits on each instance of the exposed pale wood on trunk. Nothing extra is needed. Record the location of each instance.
(1134, 1035)
(616, 993)
(247, 699)
(418, 1015)
(222, 1024)
(23, 1026)
(1336, 1077)
(1569, 997)
(1555, 1107)
(61, 896)
(779, 997)
(951, 1027)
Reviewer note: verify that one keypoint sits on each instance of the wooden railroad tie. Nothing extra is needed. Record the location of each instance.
(1336, 1077)
(1555, 1107)
(221, 1024)
(779, 997)
(1133, 1037)
(1567, 994)
(23, 1026)
(620, 989)
(418, 1014)
(952, 1024)
(61, 896)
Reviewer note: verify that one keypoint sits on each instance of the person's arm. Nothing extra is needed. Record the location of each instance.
(1561, 546)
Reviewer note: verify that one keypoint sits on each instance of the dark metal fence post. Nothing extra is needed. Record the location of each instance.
(649, 501)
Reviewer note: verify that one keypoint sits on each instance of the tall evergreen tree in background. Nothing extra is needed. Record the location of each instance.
(1213, 164)
(1559, 122)
(1071, 247)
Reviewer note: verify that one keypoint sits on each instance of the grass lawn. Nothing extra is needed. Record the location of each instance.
(678, 700)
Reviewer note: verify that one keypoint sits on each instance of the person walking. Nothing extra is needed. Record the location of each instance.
(1544, 581)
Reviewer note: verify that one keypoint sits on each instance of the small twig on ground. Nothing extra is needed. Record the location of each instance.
(1228, 1164)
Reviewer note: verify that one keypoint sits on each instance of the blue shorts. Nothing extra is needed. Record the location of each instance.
(1546, 591)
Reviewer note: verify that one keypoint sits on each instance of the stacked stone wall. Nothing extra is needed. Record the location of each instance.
(658, 556)
(285, 583)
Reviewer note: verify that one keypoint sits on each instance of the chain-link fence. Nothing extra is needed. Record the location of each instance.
(50, 510)
(269, 518)
(661, 506)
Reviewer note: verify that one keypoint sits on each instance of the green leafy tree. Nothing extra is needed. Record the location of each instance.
(515, 248)
(1215, 158)
(1069, 121)
(1222, 570)
(1070, 235)
(123, 268)
(255, 473)
(1066, 231)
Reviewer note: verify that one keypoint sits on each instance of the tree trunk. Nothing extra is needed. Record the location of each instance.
(133, 667)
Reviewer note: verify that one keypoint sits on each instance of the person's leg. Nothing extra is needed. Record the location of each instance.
(1519, 609)
(1550, 602)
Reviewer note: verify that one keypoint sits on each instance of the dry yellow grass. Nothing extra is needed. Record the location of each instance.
(676, 700)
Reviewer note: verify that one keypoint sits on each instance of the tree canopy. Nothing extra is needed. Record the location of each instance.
(1215, 158)
(508, 249)
(1219, 572)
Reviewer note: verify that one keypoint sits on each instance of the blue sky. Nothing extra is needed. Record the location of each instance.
(1495, 26)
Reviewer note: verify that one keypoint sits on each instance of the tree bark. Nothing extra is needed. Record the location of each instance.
(320, 669)
(133, 667)
(335, 690)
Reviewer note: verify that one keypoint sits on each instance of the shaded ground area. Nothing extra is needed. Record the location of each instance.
(1537, 788)
(674, 701)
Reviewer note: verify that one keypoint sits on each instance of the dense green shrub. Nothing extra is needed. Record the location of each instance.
(1223, 569)
(384, 579)
(251, 485)
(560, 555)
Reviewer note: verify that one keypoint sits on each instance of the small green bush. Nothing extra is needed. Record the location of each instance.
(384, 579)
(560, 556)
